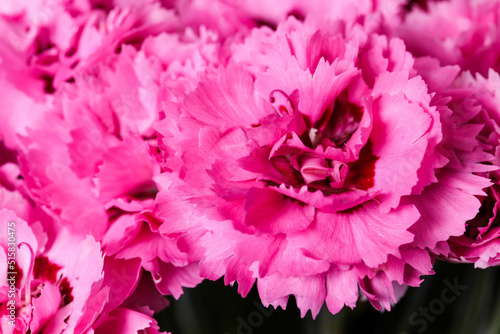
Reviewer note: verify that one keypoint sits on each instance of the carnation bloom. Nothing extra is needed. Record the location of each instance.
(232, 18)
(48, 280)
(480, 99)
(98, 143)
(64, 282)
(318, 158)
(64, 287)
(458, 32)
(310, 161)
(194, 53)
(87, 158)
(60, 38)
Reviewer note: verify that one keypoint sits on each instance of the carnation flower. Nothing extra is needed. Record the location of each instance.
(87, 159)
(64, 282)
(296, 144)
(195, 52)
(87, 149)
(479, 98)
(311, 160)
(457, 32)
(64, 287)
(51, 288)
(233, 18)
(59, 39)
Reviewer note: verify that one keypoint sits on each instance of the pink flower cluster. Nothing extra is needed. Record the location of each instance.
(329, 150)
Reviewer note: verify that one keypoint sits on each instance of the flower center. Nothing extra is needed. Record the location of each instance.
(337, 125)
(46, 271)
(301, 163)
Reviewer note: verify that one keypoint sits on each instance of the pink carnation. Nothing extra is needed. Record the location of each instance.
(313, 163)
(65, 283)
(60, 38)
(458, 32)
(62, 288)
(88, 157)
(233, 18)
(293, 144)
(480, 99)
(194, 54)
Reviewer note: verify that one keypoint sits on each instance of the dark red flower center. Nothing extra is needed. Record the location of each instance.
(44, 270)
(299, 166)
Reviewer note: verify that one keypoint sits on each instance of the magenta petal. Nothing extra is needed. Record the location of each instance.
(123, 320)
(309, 291)
(122, 277)
(225, 100)
(121, 232)
(170, 279)
(265, 250)
(148, 245)
(297, 262)
(239, 271)
(317, 89)
(341, 289)
(445, 208)
(270, 212)
(400, 142)
(45, 307)
(126, 168)
(328, 204)
(379, 291)
(82, 267)
(18, 111)
(364, 235)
